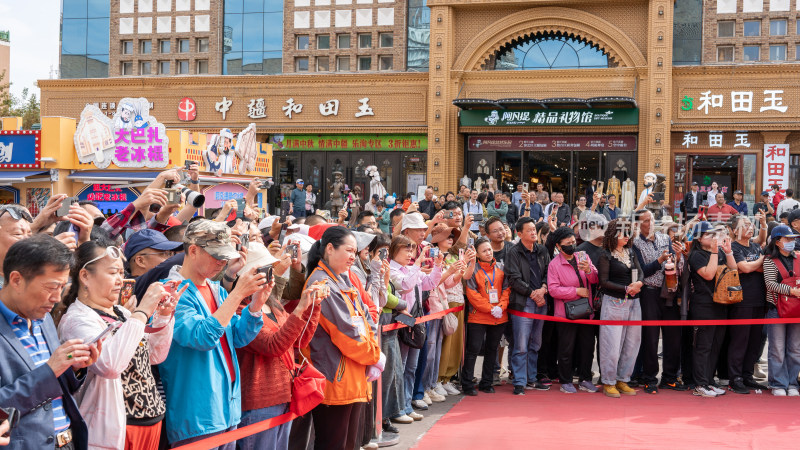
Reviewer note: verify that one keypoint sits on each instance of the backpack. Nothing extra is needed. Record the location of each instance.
(787, 305)
(727, 288)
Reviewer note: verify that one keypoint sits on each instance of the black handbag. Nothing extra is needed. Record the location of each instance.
(414, 337)
(578, 309)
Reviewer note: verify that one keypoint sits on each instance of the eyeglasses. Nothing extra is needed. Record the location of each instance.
(16, 212)
(113, 252)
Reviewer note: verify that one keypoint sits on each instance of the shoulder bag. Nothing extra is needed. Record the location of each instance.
(414, 337)
(308, 383)
(788, 306)
(578, 309)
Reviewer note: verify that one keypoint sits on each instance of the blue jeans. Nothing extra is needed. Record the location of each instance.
(275, 438)
(422, 363)
(527, 342)
(784, 352)
(228, 446)
(434, 354)
(409, 357)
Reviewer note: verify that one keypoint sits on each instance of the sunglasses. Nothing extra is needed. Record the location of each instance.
(16, 212)
(113, 252)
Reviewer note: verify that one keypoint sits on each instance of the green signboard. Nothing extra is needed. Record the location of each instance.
(353, 142)
(549, 118)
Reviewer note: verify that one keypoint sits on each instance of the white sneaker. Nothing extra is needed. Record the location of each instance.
(405, 419)
(450, 388)
(778, 392)
(439, 389)
(435, 397)
(704, 391)
(793, 392)
(419, 404)
(427, 399)
(716, 390)
(416, 416)
(758, 373)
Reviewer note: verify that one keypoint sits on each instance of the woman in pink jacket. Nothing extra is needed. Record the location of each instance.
(569, 279)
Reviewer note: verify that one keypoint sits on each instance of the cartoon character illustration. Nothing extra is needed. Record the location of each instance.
(493, 118)
(220, 152)
(649, 184)
(94, 137)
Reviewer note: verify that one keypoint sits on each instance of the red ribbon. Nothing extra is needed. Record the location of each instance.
(659, 323)
(239, 433)
(398, 325)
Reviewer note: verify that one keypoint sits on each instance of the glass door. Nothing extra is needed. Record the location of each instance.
(313, 171)
(585, 168)
(509, 167)
(549, 168)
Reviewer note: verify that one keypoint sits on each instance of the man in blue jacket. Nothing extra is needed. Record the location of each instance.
(201, 374)
(297, 200)
(39, 374)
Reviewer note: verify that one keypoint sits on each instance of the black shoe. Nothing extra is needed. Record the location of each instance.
(737, 386)
(675, 386)
(487, 389)
(753, 384)
(650, 388)
(519, 390)
(389, 428)
(634, 382)
(471, 392)
(538, 386)
(545, 381)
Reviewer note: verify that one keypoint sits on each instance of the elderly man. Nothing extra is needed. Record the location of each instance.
(297, 200)
(720, 211)
(15, 225)
(427, 206)
(146, 249)
(39, 374)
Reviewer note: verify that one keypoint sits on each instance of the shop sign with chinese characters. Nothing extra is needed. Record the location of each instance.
(776, 165)
(739, 140)
(20, 149)
(552, 118)
(753, 103)
(352, 142)
(292, 109)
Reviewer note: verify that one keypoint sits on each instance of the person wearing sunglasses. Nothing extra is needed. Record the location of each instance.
(146, 249)
(15, 225)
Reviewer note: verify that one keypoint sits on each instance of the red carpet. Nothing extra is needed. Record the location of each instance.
(668, 420)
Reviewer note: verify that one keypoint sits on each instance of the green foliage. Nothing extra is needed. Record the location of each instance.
(26, 107)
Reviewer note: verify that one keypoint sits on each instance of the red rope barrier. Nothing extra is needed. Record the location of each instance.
(659, 323)
(239, 433)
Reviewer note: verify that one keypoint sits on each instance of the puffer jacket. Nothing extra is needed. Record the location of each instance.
(478, 293)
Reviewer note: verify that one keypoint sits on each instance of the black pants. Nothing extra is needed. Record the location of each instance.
(337, 427)
(570, 337)
(654, 308)
(547, 362)
(745, 342)
(476, 334)
(687, 350)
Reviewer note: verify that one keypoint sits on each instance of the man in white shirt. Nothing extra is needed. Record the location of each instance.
(517, 196)
(787, 204)
(473, 207)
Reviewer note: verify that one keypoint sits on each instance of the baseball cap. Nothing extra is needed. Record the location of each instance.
(783, 231)
(793, 215)
(376, 196)
(213, 237)
(148, 239)
(702, 227)
(694, 183)
(738, 192)
(299, 181)
(765, 193)
(413, 221)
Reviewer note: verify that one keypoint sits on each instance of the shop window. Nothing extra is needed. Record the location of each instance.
(343, 41)
(323, 64)
(145, 47)
(302, 42)
(202, 45)
(163, 68)
(777, 52)
(202, 66)
(752, 28)
(365, 40)
(183, 45)
(725, 53)
(751, 53)
(386, 40)
(386, 62)
(182, 66)
(797, 53)
(777, 27)
(725, 28)
(324, 42)
(127, 47)
(126, 68)
(301, 64)
(343, 63)
(144, 68)
(551, 51)
(164, 46)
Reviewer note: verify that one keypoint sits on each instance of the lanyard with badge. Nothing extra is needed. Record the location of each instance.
(493, 299)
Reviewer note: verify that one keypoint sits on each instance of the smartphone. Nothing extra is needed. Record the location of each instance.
(582, 257)
(63, 210)
(244, 241)
(12, 416)
(383, 253)
(75, 230)
(405, 320)
(240, 205)
(188, 164)
(525, 187)
(450, 214)
(291, 249)
(433, 252)
(266, 270)
(127, 290)
(111, 327)
(658, 196)
(470, 242)
(461, 253)
(600, 186)
(477, 217)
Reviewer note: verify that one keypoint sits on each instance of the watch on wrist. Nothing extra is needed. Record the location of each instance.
(228, 278)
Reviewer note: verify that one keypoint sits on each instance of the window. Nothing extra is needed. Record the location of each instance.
(777, 27)
(202, 66)
(301, 64)
(797, 53)
(725, 53)
(343, 41)
(387, 40)
(302, 42)
(145, 47)
(182, 66)
(777, 52)
(386, 62)
(126, 68)
(364, 63)
(323, 42)
(163, 46)
(323, 64)
(752, 28)
(144, 68)
(751, 53)
(551, 51)
(365, 40)
(127, 47)
(725, 28)
(202, 45)
(163, 68)
(343, 63)
(183, 46)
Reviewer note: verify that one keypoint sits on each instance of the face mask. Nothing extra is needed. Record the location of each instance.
(648, 184)
(788, 246)
(568, 249)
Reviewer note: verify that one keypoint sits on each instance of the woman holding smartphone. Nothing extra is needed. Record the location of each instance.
(118, 399)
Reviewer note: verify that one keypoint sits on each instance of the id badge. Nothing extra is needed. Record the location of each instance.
(493, 296)
(358, 323)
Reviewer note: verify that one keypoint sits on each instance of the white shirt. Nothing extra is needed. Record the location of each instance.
(786, 205)
(711, 197)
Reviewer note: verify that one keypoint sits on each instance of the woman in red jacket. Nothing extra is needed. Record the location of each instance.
(487, 293)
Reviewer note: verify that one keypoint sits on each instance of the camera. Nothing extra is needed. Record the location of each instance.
(266, 184)
(450, 214)
(383, 253)
(63, 210)
(291, 250)
(173, 193)
(266, 270)
(658, 196)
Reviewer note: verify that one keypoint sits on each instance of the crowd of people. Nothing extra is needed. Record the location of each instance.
(158, 327)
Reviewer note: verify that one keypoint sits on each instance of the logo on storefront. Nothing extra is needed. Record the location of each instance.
(187, 110)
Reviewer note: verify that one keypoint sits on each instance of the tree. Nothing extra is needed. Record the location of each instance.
(6, 99)
(26, 107)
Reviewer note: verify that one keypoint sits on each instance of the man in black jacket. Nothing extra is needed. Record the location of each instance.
(526, 270)
(691, 201)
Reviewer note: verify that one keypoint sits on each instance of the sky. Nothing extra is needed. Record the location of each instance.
(34, 27)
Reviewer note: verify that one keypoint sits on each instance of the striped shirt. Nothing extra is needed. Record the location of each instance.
(773, 280)
(36, 346)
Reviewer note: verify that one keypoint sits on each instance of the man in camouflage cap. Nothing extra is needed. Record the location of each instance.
(213, 237)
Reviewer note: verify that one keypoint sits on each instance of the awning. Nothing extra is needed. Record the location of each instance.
(547, 103)
(113, 177)
(19, 176)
